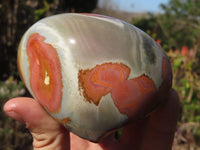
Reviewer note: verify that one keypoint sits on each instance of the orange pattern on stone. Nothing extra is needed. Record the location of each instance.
(66, 120)
(45, 72)
(131, 94)
(127, 95)
(100, 80)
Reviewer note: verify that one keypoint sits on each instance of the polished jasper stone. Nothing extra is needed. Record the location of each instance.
(93, 73)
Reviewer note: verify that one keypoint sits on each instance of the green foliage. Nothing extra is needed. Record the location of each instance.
(177, 63)
(187, 83)
(181, 18)
(11, 88)
(118, 133)
(13, 134)
(179, 25)
(40, 13)
(150, 24)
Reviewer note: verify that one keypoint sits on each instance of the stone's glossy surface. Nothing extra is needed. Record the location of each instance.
(93, 73)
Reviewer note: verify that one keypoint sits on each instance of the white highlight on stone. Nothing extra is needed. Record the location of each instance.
(72, 41)
(46, 79)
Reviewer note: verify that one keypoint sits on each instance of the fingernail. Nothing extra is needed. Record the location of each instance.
(9, 110)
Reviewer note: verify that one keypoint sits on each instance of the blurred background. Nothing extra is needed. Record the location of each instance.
(174, 24)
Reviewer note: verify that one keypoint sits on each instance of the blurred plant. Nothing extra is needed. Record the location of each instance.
(11, 88)
(180, 23)
(40, 13)
(188, 133)
(186, 82)
(13, 135)
(185, 51)
(151, 26)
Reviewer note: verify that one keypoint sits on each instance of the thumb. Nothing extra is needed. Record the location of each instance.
(47, 133)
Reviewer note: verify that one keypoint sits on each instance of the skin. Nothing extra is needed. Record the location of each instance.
(153, 133)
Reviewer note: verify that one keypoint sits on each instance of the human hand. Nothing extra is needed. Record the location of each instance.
(153, 133)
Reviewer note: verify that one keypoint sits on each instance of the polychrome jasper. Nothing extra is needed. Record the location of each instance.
(93, 73)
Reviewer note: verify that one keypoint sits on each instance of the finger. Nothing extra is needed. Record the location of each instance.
(47, 133)
(133, 134)
(78, 143)
(162, 125)
(130, 139)
(110, 143)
